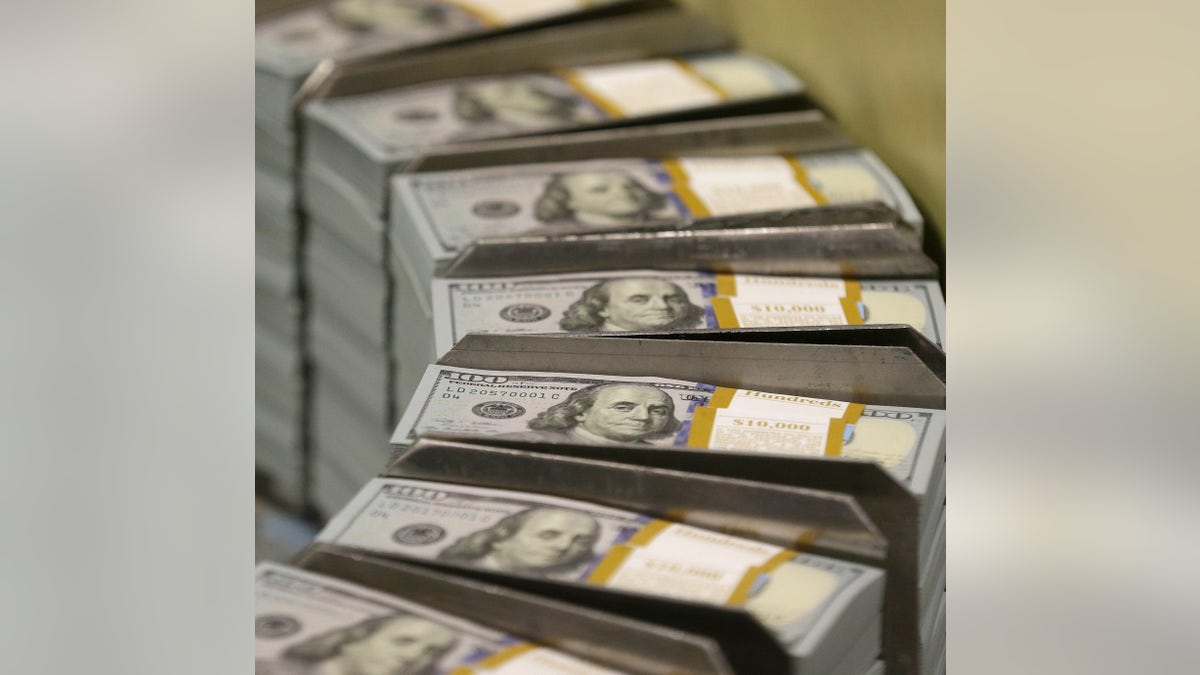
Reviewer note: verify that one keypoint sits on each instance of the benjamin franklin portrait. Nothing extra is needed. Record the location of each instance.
(398, 644)
(597, 198)
(541, 539)
(518, 102)
(605, 414)
(632, 304)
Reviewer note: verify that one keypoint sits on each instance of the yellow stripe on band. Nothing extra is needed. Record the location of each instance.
(803, 541)
(742, 592)
(687, 67)
(853, 318)
(610, 564)
(723, 310)
(853, 290)
(726, 284)
(676, 515)
(802, 178)
(648, 532)
(833, 441)
(776, 560)
(703, 420)
(722, 397)
(683, 187)
(853, 412)
(572, 78)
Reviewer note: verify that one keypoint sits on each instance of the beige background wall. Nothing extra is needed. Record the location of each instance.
(878, 66)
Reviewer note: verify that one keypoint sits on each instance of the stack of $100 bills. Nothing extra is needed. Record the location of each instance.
(356, 305)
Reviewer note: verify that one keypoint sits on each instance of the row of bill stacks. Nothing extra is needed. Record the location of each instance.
(591, 343)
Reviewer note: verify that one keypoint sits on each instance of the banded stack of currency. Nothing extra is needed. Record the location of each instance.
(369, 336)
(761, 422)
(279, 364)
(436, 214)
(366, 138)
(288, 46)
(373, 247)
(647, 300)
(826, 612)
(279, 357)
(313, 623)
(659, 412)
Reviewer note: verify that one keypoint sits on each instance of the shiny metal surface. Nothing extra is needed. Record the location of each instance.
(782, 515)
(724, 491)
(883, 365)
(785, 132)
(622, 32)
(853, 241)
(615, 640)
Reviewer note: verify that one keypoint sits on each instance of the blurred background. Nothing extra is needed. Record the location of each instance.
(879, 67)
